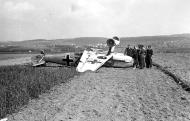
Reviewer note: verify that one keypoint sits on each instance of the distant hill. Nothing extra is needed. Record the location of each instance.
(43, 43)
(181, 35)
(82, 41)
(161, 42)
(57, 45)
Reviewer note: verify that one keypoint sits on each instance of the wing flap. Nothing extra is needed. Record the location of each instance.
(92, 61)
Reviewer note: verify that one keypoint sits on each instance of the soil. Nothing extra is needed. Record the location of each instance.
(111, 94)
(177, 63)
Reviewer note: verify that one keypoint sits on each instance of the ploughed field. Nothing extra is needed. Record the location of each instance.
(111, 94)
(114, 94)
(177, 63)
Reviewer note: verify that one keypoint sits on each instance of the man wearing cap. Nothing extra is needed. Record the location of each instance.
(128, 51)
(142, 53)
(148, 58)
(135, 57)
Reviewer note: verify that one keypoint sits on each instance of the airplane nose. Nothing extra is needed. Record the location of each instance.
(110, 42)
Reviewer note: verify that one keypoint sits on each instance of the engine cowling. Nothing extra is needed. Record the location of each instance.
(113, 42)
(110, 43)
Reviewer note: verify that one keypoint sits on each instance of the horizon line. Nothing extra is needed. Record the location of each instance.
(96, 37)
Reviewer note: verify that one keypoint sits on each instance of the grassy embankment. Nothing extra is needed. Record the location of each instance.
(19, 84)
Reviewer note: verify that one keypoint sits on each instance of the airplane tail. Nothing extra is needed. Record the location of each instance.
(38, 60)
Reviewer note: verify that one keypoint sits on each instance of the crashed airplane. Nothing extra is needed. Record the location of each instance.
(92, 59)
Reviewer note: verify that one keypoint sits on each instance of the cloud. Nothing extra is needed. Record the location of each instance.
(16, 10)
(73, 18)
(22, 6)
(87, 9)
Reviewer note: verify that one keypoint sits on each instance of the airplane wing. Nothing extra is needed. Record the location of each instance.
(92, 61)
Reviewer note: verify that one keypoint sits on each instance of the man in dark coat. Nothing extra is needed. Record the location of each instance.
(138, 55)
(141, 54)
(148, 59)
(135, 57)
(128, 51)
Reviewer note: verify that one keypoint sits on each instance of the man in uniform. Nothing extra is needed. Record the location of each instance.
(128, 51)
(148, 59)
(135, 57)
(141, 57)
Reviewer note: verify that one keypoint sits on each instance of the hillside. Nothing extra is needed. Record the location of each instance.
(164, 43)
(161, 43)
(41, 43)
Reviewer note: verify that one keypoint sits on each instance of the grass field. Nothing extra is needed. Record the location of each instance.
(13, 56)
(19, 84)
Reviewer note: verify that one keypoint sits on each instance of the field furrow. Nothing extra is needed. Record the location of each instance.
(111, 95)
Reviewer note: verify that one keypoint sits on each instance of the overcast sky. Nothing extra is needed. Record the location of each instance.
(50, 19)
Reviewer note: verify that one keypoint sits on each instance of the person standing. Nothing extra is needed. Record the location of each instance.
(135, 57)
(128, 51)
(142, 57)
(148, 59)
(138, 56)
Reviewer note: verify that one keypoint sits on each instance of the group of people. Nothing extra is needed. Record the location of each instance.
(141, 55)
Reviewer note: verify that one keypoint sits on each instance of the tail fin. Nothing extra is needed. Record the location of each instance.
(38, 60)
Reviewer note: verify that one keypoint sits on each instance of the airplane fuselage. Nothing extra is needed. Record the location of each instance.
(118, 60)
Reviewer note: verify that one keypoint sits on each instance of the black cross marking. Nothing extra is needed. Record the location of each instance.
(68, 60)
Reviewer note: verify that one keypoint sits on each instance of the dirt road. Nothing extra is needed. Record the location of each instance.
(111, 95)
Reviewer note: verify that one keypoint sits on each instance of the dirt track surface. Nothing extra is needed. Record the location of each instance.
(111, 95)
